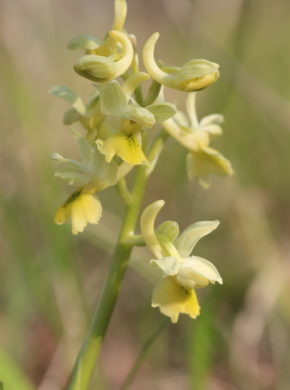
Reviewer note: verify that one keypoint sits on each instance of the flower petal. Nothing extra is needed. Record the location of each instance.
(168, 265)
(197, 272)
(168, 231)
(192, 234)
(207, 161)
(140, 115)
(172, 300)
(128, 148)
(82, 208)
(60, 216)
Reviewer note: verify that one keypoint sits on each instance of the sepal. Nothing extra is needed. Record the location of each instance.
(196, 272)
(168, 265)
(188, 239)
(162, 111)
(167, 231)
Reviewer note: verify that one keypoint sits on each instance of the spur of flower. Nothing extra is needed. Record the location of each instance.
(181, 273)
(90, 176)
(194, 75)
(121, 132)
(108, 58)
(195, 136)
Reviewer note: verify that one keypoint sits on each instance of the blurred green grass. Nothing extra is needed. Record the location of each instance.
(50, 282)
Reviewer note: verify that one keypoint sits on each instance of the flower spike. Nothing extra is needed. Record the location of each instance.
(192, 76)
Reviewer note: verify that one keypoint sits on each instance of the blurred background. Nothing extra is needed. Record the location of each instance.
(50, 281)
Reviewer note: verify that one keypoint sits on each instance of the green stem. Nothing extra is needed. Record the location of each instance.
(90, 350)
(124, 191)
(144, 350)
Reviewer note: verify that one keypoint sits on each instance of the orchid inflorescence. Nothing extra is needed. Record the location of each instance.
(120, 130)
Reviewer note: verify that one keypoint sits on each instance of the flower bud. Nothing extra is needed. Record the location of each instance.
(101, 68)
(192, 76)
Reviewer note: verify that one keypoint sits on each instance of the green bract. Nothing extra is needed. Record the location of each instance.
(68, 95)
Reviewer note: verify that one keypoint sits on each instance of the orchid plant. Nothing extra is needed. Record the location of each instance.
(124, 133)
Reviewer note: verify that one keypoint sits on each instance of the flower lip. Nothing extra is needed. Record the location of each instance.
(81, 208)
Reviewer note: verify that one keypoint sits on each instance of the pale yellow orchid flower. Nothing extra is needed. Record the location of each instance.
(195, 136)
(181, 273)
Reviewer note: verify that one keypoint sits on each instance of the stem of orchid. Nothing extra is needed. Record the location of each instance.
(89, 353)
(90, 350)
(124, 191)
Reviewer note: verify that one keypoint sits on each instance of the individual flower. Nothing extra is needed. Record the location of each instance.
(192, 76)
(109, 58)
(195, 136)
(102, 68)
(121, 133)
(181, 273)
(90, 176)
